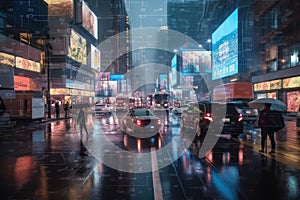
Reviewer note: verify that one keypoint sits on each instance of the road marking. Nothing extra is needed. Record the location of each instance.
(155, 176)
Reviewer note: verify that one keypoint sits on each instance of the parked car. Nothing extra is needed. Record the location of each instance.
(102, 109)
(200, 116)
(141, 123)
(180, 109)
(250, 115)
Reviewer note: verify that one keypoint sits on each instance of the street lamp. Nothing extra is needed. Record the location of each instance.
(48, 47)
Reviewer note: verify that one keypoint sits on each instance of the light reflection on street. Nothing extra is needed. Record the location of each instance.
(57, 161)
(24, 169)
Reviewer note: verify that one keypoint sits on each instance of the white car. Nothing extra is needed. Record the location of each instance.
(179, 110)
(103, 109)
(141, 123)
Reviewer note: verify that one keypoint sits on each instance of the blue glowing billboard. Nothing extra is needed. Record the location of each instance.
(195, 62)
(173, 71)
(225, 48)
(116, 77)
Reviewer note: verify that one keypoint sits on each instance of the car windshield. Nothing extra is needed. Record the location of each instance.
(100, 105)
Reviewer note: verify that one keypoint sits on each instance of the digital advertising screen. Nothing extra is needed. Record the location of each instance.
(103, 76)
(63, 8)
(89, 20)
(194, 62)
(7, 59)
(106, 88)
(95, 58)
(163, 80)
(116, 77)
(173, 73)
(77, 47)
(225, 48)
(26, 64)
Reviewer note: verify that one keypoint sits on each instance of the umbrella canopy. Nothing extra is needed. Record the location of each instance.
(275, 104)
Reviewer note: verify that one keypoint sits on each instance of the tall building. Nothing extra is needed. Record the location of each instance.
(277, 61)
(73, 55)
(23, 27)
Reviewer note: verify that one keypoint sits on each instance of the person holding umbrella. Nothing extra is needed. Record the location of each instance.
(269, 121)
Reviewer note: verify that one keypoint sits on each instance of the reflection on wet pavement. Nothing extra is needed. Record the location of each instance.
(50, 161)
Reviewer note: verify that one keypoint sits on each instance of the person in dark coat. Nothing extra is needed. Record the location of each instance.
(66, 108)
(81, 121)
(57, 109)
(266, 129)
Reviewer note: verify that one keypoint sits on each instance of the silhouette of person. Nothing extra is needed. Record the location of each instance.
(266, 128)
(66, 108)
(57, 109)
(81, 121)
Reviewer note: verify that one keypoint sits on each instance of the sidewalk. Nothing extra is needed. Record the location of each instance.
(287, 148)
(16, 123)
(290, 118)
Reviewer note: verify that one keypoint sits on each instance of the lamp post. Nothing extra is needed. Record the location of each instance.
(48, 46)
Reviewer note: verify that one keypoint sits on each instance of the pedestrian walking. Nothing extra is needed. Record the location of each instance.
(81, 121)
(298, 118)
(269, 121)
(66, 108)
(57, 109)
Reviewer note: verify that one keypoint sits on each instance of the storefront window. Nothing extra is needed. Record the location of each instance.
(293, 101)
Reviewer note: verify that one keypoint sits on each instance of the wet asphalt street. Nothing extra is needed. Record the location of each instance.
(50, 160)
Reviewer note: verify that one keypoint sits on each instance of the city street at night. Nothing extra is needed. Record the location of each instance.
(49, 160)
(150, 99)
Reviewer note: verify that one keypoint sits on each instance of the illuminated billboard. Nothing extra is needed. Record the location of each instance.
(173, 72)
(293, 101)
(95, 58)
(26, 64)
(89, 20)
(225, 48)
(7, 59)
(116, 77)
(194, 62)
(106, 88)
(163, 81)
(62, 8)
(103, 76)
(26, 84)
(77, 47)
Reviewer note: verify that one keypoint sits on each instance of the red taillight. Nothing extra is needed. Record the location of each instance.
(138, 122)
(208, 117)
(240, 118)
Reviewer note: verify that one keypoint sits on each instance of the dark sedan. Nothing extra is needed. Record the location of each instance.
(223, 118)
